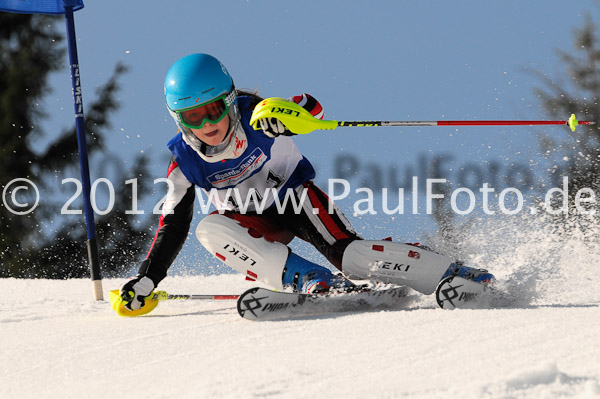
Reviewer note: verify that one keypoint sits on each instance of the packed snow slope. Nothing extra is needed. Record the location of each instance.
(58, 343)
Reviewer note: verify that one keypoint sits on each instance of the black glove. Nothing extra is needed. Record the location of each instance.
(135, 290)
(273, 127)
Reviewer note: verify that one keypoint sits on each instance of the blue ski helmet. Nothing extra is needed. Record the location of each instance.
(200, 82)
(196, 79)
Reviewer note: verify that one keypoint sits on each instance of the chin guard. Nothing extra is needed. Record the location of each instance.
(293, 116)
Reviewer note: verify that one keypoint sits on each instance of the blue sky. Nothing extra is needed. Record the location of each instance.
(395, 60)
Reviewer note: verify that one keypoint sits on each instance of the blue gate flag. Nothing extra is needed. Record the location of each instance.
(39, 6)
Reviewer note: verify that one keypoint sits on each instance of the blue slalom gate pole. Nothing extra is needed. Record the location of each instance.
(92, 244)
(67, 7)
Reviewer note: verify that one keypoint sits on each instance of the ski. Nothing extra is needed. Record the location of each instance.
(457, 292)
(264, 304)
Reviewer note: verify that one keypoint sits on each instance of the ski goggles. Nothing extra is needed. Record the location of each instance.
(212, 111)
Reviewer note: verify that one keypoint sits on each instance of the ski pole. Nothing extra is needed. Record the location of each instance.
(151, 301)
(163, 296)
(300, 121)
(572, 122)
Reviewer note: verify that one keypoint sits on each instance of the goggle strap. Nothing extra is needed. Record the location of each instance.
(230, 99)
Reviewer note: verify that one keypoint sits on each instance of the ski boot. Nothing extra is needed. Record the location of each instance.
(309, 278)
(468, 273)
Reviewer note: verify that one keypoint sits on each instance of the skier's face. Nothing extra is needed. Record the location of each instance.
(213, 133)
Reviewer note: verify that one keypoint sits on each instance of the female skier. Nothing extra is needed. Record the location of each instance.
(217, 150)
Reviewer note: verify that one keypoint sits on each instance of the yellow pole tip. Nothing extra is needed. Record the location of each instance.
(573, 122)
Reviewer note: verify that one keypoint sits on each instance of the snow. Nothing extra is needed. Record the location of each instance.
(57, 342)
